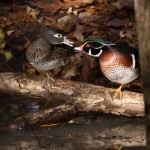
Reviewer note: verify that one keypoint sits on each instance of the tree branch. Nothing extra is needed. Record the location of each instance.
(71, 98)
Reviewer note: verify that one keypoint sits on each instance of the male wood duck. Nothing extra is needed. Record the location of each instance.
(49, 49)
(118, 62)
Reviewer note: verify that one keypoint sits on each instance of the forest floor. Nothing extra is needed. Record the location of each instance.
(111, 20)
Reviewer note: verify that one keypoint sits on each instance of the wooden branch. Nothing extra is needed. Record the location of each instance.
(70, 98)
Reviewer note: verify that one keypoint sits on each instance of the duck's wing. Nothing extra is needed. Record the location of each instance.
(129, 50)
(38, 50)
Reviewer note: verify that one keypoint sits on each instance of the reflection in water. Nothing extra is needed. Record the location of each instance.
(87, 133)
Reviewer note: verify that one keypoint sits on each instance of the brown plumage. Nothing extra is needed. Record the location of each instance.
(110, 59)
(49, 49)
(118, 62)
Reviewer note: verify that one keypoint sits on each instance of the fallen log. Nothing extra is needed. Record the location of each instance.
(71, 99)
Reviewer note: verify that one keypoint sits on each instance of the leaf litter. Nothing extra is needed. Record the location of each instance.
(81, 19)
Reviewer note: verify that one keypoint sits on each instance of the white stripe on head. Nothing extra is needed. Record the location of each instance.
(90, 53)
(103, 44)
(133, 61)
(100, 48)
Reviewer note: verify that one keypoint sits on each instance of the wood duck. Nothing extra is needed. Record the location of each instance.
(49, 48)
(118, 62)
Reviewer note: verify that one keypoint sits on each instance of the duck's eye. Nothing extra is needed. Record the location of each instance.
(58, 35)
(87, 45)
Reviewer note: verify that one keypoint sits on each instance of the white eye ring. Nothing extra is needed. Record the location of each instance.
(58, 35)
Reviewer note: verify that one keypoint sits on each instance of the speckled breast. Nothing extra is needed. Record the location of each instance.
(117, 66)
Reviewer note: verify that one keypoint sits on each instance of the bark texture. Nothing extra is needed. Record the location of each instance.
(69, 99)
(142, 9)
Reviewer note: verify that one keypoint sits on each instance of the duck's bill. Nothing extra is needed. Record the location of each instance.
(79, 48)
(66, 41)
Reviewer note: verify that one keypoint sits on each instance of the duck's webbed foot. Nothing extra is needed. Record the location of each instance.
(117, 93)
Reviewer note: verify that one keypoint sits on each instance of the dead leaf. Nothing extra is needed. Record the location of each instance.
(122, 34)
(78, 34)
(90, 10)
(100, 1)
(84, 15)
(72, 69)
(33, 12)
(83, 1)
(10, 32)
(70, 10)
(67, 22)
(31, 70)
(127, 33)
(55, 6)
(71, 72)
(93, 24)
(64, 20)
(87, 1)
(124, 3)
(55, 71)
(87, 17)
(76, 3)
(48, 21)
(118, 22)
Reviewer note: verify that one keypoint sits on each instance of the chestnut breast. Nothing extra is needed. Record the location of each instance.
(115, 65)
(112, 58)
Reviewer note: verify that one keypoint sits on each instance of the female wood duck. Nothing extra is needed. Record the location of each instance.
(118, 62)
(49, 49)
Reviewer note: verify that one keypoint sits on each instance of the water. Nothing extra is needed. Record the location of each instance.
(92, 132)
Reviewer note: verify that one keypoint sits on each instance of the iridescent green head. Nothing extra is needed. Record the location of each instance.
(93, 47)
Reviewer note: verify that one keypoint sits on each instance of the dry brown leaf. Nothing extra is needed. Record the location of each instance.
(124, 3)
(71, 69)
(87, 17)
(91, 10)
(77, 3)
(87, 1)
(127, 33)
(55, 71)
(55, 6)
(67, 22)
(70, 72)
(78, 34)
(69, 4)
(64, 19)
(33, 12)
(49, 21)
(118, 22)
